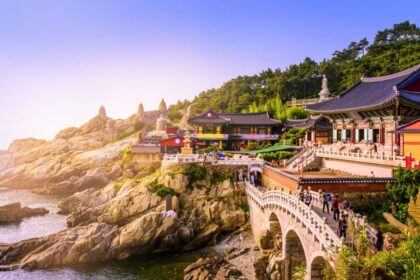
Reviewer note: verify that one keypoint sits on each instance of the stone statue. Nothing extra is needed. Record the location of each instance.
(324, 94)
(162, 106)
(140, 116)
(183, 124)
(161, 123)
(102, 113)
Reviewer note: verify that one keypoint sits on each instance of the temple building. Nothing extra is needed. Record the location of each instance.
(373, 108)
(231, 131)
(410, 142)
(318, 128)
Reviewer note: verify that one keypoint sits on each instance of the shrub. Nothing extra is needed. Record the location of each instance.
(244, 207)
(216, 178)
(161, 190)
(126, 155)
(195, 173)
(276, 156)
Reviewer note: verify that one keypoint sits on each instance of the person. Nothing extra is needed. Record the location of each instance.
(375, 148)
(301, 195)
(342, 226)
(307, 198)
(252, 179)
(335, 207)
(379, 239)
(325, 201)
(241, 175)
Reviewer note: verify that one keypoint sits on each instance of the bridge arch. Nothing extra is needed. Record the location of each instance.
(275, 228)
(317, 267)
(294, 252)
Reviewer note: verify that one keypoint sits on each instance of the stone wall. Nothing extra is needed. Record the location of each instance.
(358, 168)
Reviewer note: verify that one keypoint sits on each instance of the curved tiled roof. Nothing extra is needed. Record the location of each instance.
(317, 121)
(368, 93)
(211, 117)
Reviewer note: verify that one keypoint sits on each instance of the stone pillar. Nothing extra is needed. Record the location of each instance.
(168, 202)
(313, 135)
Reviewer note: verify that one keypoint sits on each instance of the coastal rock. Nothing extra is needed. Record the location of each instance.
(212, 268)
(15, 212)
(128, 218)
(232, 220)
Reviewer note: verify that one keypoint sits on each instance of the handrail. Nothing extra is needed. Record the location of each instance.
(317, 224)
(313, 221)
(180, 158)
(379, 158)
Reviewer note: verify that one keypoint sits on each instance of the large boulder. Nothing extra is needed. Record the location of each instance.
(15, 212)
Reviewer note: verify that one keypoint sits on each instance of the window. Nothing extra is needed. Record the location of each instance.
(362, 136)
(348, 135)
(376, 135)
(338, 135)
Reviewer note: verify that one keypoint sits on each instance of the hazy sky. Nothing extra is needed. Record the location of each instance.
(60, 60)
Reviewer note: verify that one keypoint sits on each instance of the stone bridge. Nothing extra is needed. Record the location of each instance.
(301, 233)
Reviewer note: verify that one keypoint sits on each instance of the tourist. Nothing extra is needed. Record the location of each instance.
(342, 226)
(252, 179)
(375, 148)
(301, 195)
(325, 202)
(307, 198)
(335, 207)
(379, 240)
(241, 175)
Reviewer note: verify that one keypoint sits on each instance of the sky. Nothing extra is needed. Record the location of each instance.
(61, 60)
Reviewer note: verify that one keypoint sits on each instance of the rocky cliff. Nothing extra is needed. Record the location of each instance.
(128, 217)
(76, 159)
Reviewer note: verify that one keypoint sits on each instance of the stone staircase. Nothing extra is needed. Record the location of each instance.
(306, 157)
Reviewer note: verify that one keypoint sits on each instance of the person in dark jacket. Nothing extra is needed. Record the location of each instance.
(325, 201)
(342, 226)
(379, 239)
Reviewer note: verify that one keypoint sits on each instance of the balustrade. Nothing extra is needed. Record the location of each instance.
(314, 223)
(381, 157)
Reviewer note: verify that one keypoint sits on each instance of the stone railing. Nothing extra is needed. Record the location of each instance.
(316, 223)
(357, 221)
(380, 158)
(304, 159)
(180, 158)
(292, 205)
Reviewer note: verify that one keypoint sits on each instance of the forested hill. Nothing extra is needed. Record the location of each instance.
(392, 50)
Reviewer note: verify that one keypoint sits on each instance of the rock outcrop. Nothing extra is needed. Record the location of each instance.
(76, 159)
(128, 218)
(15, 212)
(212, 268)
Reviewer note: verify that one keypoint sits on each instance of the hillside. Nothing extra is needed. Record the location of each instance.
(392, 50)
(77, 158)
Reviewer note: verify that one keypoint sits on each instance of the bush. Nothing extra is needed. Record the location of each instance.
(245, 207)
(195, 173)
(126, 155)
(276, 156)
(293, 135)
(161, 190)
(216, 178)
